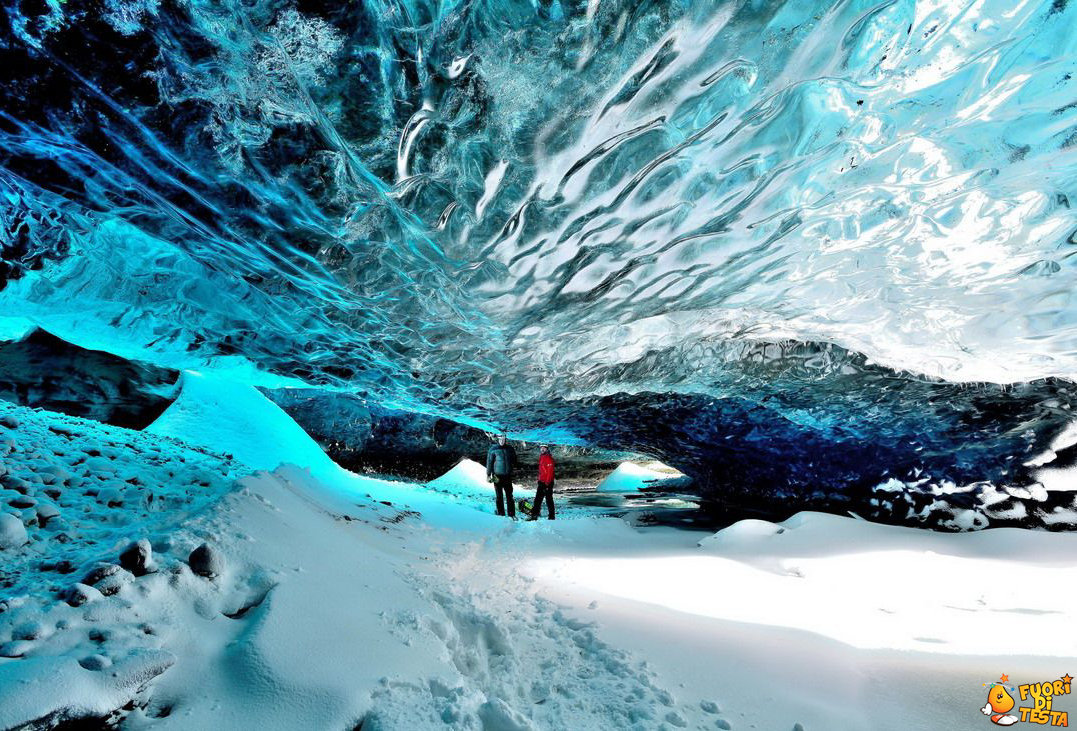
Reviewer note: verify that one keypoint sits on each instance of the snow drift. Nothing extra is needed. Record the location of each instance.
(468, 476)
(237, 419)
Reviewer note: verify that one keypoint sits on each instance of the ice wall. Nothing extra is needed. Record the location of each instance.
(40, 370)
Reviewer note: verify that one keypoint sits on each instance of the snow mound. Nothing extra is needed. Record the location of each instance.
(744, 532)
(160, 579)
(630, 476)
(467, 475)
(235, 418)
(813, 534)
(45, 692)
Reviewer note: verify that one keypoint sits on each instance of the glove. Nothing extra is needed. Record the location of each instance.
(986, 710)
(489, 478)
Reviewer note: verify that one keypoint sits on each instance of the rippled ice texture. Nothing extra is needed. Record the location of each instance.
(455, 203)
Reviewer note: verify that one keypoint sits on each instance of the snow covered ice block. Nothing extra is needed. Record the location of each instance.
(12, 532)
(138, 558)
(207, 561)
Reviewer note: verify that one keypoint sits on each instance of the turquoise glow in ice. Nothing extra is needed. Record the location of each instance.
(455, 204)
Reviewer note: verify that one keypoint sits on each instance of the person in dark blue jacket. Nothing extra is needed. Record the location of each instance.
(500, 463)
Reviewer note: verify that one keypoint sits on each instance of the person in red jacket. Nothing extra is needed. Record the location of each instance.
(545, 484)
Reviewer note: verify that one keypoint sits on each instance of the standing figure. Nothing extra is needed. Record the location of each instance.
(500, 462)
(545, 484)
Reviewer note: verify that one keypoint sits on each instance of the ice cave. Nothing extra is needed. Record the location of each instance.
(526, 365)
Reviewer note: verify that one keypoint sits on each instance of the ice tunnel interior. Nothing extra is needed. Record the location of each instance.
(796, 250)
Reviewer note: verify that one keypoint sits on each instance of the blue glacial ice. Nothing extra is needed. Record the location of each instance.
(805, 246)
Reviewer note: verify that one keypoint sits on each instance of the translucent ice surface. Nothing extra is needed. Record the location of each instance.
(461, 207)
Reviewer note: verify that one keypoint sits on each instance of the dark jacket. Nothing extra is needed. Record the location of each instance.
(501, 460)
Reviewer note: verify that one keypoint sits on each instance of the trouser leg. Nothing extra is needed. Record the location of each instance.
(499, 497)
(544, 491)
(506, 485)
(536, 505)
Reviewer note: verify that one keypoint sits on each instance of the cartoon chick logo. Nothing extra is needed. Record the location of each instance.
(1000, 702)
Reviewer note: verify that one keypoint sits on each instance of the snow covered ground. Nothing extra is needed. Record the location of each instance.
(630, 476)
(331, 601)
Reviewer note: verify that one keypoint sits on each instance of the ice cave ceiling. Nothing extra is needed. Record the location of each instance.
(822, 228)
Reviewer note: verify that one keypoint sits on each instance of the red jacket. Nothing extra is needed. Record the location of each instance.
(545, 468)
